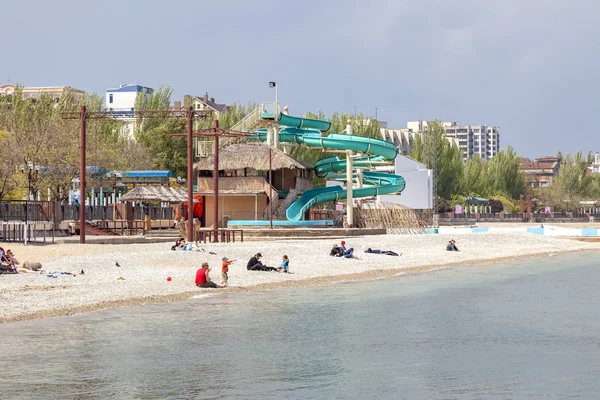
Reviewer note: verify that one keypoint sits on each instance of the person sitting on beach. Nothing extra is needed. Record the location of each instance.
(336, 251)
(202, 278)
(386, 252)
(254, 264)
(285, 264)
(347, 253)
(451, 246)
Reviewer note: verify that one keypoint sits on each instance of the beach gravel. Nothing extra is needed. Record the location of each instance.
(145, 267)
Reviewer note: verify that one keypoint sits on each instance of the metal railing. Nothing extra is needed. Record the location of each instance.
(71, 213)
(25, 210)
(249, 121)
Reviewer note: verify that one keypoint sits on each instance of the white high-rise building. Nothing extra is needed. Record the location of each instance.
(481, 140)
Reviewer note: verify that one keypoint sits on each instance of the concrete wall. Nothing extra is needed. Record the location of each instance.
(417, 193)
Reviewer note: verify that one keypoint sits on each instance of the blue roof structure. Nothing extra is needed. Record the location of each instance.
(147, 174)
(476, 200)
(130, 88)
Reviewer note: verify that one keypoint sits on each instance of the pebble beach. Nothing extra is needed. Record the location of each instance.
(144, 268)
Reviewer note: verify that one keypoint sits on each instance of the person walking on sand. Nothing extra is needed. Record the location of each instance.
(202, 278)
(225, 270)
(285, 264)
(452, 246)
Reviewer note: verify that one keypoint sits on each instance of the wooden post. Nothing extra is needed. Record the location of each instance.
(190, 175)
(82, 145)
(270, 188)
(216, 180)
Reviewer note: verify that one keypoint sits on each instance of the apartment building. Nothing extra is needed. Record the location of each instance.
(404, 138)
(481, 140)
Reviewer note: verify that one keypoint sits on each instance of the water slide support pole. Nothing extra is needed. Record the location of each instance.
(349, 189)
(270, 135)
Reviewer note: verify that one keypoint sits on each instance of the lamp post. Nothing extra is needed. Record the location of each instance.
(32, 171)
(273, 84)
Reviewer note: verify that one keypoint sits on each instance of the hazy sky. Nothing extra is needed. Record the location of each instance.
(528, 66)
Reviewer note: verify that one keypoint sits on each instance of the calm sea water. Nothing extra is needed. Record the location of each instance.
(524, 330)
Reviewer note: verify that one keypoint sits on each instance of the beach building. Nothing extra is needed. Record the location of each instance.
(34, 92)
(244, 188)
(541, 171)
(121, 101)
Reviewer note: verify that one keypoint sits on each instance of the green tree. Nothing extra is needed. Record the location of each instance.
(449, 158)
(573, 178)
(503, 175)
(473, 182)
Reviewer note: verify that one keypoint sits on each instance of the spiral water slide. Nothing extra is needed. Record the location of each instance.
(306, 131)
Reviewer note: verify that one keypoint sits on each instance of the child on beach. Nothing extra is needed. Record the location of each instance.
(225, 269)
(285, 264)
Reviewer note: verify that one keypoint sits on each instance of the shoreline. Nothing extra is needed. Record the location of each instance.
(325, 280)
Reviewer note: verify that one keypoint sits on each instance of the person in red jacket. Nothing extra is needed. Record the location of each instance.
(202, 278)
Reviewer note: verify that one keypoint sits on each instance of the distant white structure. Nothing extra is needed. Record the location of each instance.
(121, 101)
(418, 191)
(594, 167)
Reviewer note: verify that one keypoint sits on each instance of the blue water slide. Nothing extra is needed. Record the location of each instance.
(307, 132)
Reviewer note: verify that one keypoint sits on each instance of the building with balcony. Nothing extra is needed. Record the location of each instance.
(541, 171)
(481, 140)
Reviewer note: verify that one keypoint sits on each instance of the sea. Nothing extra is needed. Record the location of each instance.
(525, 329)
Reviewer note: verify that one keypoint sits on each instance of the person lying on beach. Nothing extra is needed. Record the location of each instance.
(451, 246)
(179, 245)
(347, 253)
(29, 267)
(254, 264)
(202, 278)
(386, 252)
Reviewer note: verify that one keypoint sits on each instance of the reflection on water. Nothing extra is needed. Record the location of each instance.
(524, 330)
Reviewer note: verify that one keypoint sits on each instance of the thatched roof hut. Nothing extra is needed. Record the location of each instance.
(250, 155)
(155, 193)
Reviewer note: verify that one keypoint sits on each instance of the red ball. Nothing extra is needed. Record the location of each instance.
(168, 279)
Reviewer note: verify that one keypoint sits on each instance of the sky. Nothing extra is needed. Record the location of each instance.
(530, 67)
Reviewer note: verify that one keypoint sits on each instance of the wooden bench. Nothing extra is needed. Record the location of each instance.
(225, 235)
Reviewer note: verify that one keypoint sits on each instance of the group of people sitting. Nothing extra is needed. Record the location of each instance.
(254, 264)
(451, 246)
(342, 251)
(10, 265)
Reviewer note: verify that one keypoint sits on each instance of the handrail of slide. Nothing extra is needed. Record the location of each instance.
(308, 132)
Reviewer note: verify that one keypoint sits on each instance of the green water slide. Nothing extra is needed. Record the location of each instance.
(307, 131)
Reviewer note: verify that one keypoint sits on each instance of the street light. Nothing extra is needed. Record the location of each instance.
(32, 173)
(273, 84)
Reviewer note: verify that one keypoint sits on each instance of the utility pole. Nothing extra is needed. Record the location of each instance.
(431, 159)
(349, 182)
